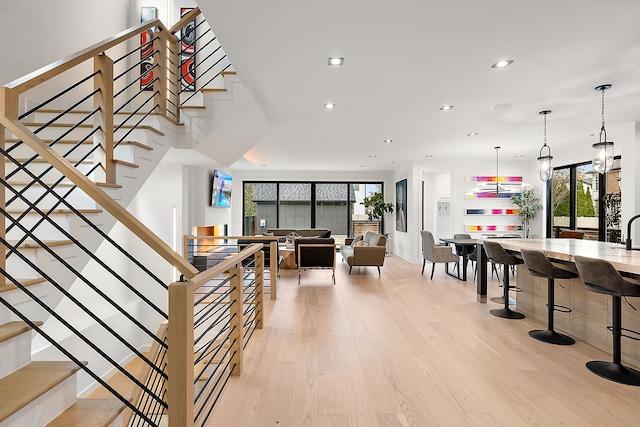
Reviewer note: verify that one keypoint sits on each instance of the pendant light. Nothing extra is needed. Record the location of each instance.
(545, 169)
(603, 150)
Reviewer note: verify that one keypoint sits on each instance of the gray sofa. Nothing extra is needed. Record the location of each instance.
(371, 253)
(281, 233)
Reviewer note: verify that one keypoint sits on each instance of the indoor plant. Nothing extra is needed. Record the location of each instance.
(376, 207)
(529, 205)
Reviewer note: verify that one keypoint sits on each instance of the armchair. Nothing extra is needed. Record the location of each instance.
(435, 253)
(316, 253)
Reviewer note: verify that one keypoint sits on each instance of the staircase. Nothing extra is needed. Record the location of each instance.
(72, 271)
(33, 392)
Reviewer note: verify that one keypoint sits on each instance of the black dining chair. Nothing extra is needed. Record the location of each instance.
(499, 255)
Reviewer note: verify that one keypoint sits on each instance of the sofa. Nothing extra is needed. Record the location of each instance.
(367, 250)
(281, 233)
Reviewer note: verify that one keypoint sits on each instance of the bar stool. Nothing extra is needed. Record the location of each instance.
(540, 266)
(498, 255)
(601, 276)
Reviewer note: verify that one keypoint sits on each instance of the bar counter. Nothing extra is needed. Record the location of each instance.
(591, 312)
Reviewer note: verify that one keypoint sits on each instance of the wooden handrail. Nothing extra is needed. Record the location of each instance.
(97, 194)
(200, 279)
(47, 72)
(186, 18)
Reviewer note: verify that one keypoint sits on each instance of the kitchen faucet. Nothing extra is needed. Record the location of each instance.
(628, 243)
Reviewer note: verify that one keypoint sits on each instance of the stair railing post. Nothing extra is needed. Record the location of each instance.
(259, 288)
(103, 99)
(273, 269)
(180, 355)
(173, 76)
(8, 109)
(236, 308)
(160, 45)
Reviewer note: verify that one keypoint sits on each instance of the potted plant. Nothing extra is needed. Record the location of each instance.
(612, 203)
(375, 206)
(529, 205)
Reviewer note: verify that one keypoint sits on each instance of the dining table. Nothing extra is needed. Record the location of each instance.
(468, 244)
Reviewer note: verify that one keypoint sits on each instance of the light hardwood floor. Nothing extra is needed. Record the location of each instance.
(398, 349)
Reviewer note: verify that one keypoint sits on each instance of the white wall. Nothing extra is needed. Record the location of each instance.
(36, 33)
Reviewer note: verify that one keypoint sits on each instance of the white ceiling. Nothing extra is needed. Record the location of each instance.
(404, 59)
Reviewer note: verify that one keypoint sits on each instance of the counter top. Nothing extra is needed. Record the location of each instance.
(566, 249)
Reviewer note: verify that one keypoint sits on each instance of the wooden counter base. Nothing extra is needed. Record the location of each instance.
(590, 315)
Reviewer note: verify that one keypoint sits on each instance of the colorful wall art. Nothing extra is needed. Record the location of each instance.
(493, 228)
(488, 179)
(146, 49)
(498, 211)
(188, 53)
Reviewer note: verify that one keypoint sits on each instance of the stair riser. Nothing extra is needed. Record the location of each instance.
(44, 231)
(77, 198)
(15, 353)
(38, 168)
(82, 134)
(23, 151)
(45, 408)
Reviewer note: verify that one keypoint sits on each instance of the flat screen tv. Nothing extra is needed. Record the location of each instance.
(221, 189)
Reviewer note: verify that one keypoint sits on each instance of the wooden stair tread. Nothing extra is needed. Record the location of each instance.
(88, 125)
(41, 160)
(230, 73)
(125, 113)
(193, 107)
(122, 162)
(7, 286)
(37, 184)
(89, 413)
(13, 329)
(57, 211)
(213, 89)
(106, 184)
(49, 141)
(31, 244)
(137, 144)
(21, 387)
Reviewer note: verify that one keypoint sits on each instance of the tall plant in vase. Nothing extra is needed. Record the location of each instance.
(375, 206)
(529, 204)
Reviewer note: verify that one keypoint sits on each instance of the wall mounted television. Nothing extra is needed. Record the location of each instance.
(221, 189)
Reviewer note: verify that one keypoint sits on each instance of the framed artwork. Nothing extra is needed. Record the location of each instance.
(188, 53)
(401, 205)
(146, 49)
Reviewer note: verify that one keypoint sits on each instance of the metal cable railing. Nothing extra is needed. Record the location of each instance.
(95, 287)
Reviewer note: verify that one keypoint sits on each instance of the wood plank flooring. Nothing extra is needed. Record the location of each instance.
(398, 349)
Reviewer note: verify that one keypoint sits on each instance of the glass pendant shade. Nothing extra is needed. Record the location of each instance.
(545, 169)
(602, 156)
(603, 150)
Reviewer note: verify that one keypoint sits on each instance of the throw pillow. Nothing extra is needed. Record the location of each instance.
(291, 237)
(326, 234)
(266, 233)
(356, 240)
(362, 243)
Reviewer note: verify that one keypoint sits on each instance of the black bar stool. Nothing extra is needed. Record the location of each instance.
(498, 255)
(601, 276)
(540, 266)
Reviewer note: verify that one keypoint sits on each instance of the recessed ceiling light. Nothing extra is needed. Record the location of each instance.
(472, 134)
(429, 155)
(330, 106)
(446, 107)
(519, 156)
(501, 106)
(362, 166)
(595, 134)
(263, 165)
(372, 156)
(336, 61)
(388, 141)
(503, 63)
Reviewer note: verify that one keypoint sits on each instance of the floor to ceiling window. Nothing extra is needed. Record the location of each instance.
(582, 200)
(332, 205)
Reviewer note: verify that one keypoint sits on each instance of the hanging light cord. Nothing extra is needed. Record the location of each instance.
(602, 130)
(497, 174)
(544, 115)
